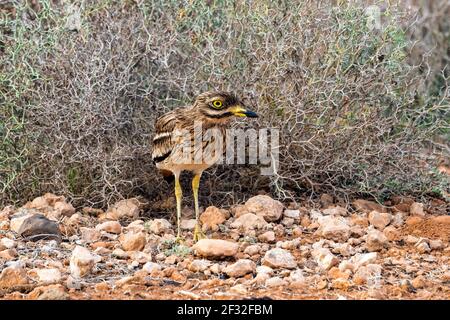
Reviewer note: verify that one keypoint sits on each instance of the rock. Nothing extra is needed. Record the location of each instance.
(239, 289)
(18, 218)
(12, 277)
(406, 285)
(324, 258)
(266, 207)
(297, 232)
(64, 209)
(188, 224)
(73, 283)
(6, 212)
(4, 225)
(261, 278)
(215, 248)
(92, 211)
(110, 226)
(363, 259)
(124, 208)
(140, 257)
(8, 254)
(252, 249)
(264, 269)
(370, 275)
(379, 219)
(419, 282)
(212, 217)
(334, 228)
(409, 239)
(336, 273)
(268, 237)
(172, 259)
(249, 221)
(81, 262)
(48, 275)
(416, 209)
(119, 253)
(51, 292)
(359, 220)
(368, 206)
(398, 220)
(293, 214)
(391, 233)
(296, 279)
(335, 211)
(315, 215)
(376, 240)
(160, 226)
(436, 244)
(6, 243)
(76, 219)
(240, 268)
(423, 247)
(133, 241)
(38, 227)
(135, 227)
(39, 203)
(279, 258)
(345, 249)
(287, 222)
(341, 284)
(402, 203)
(346, 265)
(275, 282)
(199, 265)
(90, 234)
(150, 267)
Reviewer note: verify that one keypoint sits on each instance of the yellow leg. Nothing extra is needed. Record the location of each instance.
(195, 184)
(178, 195)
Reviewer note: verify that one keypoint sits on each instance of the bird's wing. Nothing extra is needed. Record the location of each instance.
(163, 141)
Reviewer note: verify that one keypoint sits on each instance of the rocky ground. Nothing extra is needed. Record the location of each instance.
(263, 248)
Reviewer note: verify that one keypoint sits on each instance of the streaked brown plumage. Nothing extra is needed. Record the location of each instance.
(176, 129)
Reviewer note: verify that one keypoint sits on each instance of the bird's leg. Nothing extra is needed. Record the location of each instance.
(178, 195)
(195, 184)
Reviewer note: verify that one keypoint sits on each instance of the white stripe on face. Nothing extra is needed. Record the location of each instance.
(162, 135)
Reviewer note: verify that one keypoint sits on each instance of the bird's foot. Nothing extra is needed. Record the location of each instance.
(179, 240)
(198, 234)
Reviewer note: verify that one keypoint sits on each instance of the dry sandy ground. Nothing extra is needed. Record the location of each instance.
(412, 259)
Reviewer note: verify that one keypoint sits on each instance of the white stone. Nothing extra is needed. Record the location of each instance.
(81, 262)
(279, 258)
(240, 268)
(215, 248)
(49, 275)
(149, 267)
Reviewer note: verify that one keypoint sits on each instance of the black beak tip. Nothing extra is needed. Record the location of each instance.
(251, 114)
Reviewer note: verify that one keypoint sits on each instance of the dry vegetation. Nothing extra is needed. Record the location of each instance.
(359, 111)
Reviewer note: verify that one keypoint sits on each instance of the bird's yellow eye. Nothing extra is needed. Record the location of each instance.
(217, 104)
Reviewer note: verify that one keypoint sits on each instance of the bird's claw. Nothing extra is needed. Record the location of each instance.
(198, 234)
(179, 240)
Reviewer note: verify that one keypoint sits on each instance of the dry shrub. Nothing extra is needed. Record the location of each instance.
(83, 84)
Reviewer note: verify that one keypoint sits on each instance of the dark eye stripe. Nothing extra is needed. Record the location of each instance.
(217, 116)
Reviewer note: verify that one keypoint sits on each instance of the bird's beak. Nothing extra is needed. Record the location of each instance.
(242, 112)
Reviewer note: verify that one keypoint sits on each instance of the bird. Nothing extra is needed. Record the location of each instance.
(179, 130)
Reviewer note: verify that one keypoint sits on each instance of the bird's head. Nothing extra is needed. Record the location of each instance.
(220, 106)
